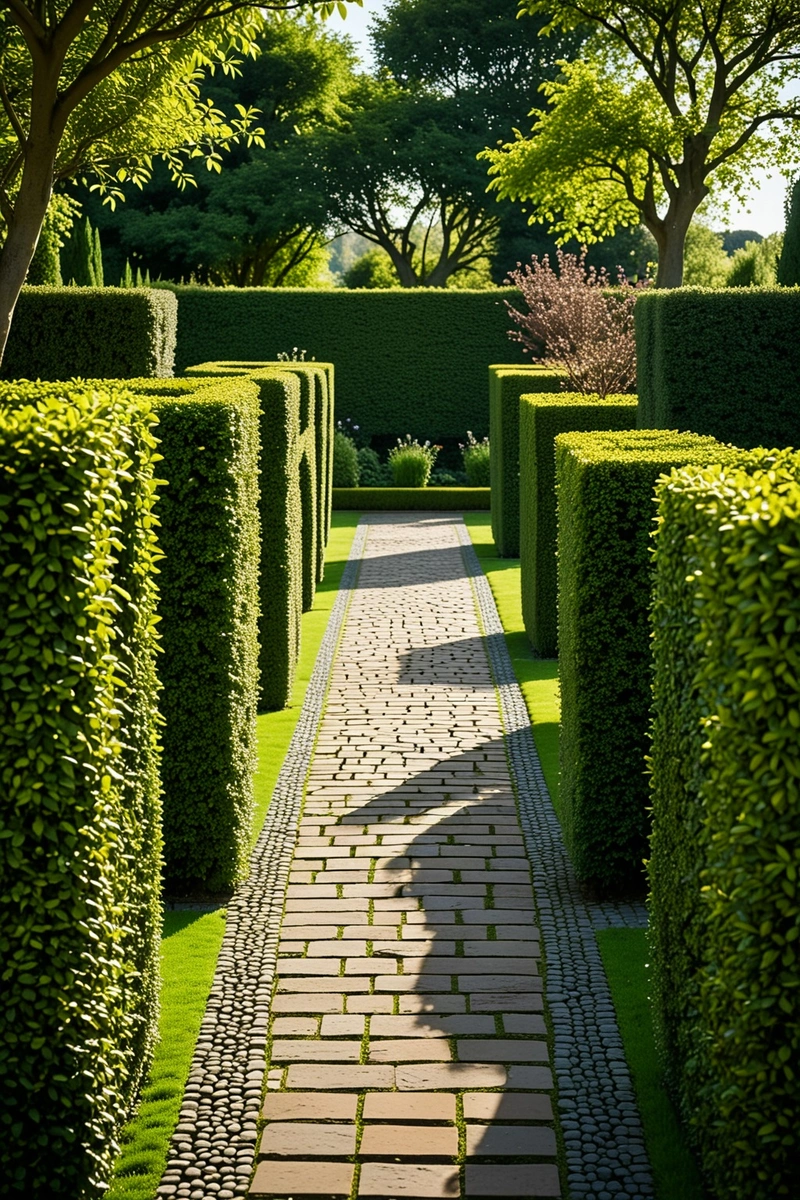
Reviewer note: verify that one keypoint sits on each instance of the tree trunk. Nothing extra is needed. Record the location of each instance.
(30, 210)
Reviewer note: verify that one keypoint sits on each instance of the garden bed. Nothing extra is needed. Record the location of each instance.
(448, 499)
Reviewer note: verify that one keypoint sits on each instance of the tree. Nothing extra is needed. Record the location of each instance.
(107, 84)
(670, 98)
(789, 265)
(250, 226)
(756, 263)
(705, 263)
(483, 64)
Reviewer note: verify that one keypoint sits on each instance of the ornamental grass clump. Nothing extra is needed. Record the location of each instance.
(475, 456)
(574, 321)
(411, 463)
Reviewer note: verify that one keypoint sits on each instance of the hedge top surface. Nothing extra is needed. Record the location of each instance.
(576, 400)
(235, 367)
(641, 446)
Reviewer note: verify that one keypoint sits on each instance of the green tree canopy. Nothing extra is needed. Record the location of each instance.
(107, 84)
(250, 225)
(667, 99)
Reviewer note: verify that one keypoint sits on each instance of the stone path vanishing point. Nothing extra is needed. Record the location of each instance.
(412, 1044)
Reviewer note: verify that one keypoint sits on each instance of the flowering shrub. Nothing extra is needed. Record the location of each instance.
(411, 463)
(346, 470)
(475, 456)
(575, 322)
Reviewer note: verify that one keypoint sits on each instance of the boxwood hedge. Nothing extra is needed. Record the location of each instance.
(93, 333)
(209, 515)
(436, 499)
(80, 821)
(541, 417)
(605, 517)
(692, 343)
(725, 852)
(506, 385)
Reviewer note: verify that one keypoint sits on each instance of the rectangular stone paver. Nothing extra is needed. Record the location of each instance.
(410, 934)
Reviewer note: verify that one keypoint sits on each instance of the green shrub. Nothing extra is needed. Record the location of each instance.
(789, 264)
(605, 516)
(91, 333)
(81, 820)
(208, 510)
(725, 902)
(411, 463)
(755, 264)
(724, 363)
(506, 385)
(450, 499)
(380, 383)
(476, 459)
(346, 463)
(315, 442)
(371, 471)
(541, 418)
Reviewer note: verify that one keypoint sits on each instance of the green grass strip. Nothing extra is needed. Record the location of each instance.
(625, 953)
(191, 941)
(537, 677)
(189, 948)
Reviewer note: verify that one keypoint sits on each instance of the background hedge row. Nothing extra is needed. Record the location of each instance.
(724, 363)
(450, 499)
(91, 333)
(725, 859)
(506, 385)
(606, 510)
(210, 534)
(81, 820)
(542, 417)
(407, 361)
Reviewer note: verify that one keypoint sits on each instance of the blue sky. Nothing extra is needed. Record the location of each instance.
(767, 196)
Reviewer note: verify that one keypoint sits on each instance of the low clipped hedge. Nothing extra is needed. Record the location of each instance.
(315, 453)
(445, 499)
(541, 418)
(210, 534)
(506, 385)
(91, 333)
(606, 509)
(80, 822)
(721, 362)
(725, 850)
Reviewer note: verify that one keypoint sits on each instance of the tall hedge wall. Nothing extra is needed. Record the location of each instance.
(80, 821)
(541, 418)
(209, 532)
(315, 449)
(605, 518)
(92, 333)
(725, 851)
(407, 361)
(506, 385)
(724, 363)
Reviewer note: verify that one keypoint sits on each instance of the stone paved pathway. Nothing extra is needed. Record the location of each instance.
(408, 1025)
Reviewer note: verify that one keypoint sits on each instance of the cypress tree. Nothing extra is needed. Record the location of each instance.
(97, 259)
(46, 265)
(789, 264)
(77, 265)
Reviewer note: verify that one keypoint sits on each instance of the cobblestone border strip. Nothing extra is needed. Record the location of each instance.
(212, 1151)
(599, 1116)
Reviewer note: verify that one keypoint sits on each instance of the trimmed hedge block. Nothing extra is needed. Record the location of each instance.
(725, 849)
(209, 532)
(439, 389)
(606, 510)
(724, 363)
(541, 418)
(449, 499)
(506, 385)
(80, 911)
(92, 333)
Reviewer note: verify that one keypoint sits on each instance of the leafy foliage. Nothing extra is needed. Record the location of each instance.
(574, 322)
(544, 412)
(605, 487)
(400, 499)
(346, 465)
(476, 458)
(705, 263)
(726, 845)
(756, 264)
(81, 818)
(411, 462)
(748, 335)
(789, 265)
